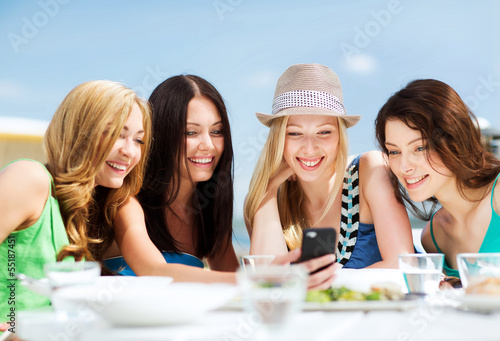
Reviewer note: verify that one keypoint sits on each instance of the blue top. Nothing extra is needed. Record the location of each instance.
(491, 241)
(118, 264)
(357, 247)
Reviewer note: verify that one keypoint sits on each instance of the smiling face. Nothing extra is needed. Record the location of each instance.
(311, 146)
(422, 175)
(204, 140)
(125, 154)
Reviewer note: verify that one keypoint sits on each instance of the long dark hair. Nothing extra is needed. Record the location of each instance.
(213, 199)
(434, 109)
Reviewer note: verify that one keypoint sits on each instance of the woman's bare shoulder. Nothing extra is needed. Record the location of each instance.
(372, 158)
(130, 216)
(426, 239)
(131, 206)
(496, 197)
(429, 234)
(24, 189)
(374, 169)
(25, 178)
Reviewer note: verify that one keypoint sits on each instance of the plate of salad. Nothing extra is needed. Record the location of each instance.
(381, 296)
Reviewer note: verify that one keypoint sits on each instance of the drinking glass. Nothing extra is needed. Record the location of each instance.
(475, 268)
(273, 294)
(251, 262)
(62, 275)
(422, 272)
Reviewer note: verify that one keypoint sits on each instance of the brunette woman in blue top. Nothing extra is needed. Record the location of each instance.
(436, 155)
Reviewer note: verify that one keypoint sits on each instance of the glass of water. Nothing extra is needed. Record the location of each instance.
(63, 275)
(251, 262)
(422, 272)
(273, 294)
(475, 268)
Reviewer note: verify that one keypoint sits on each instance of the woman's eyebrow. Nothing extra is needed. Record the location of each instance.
(197, 124)
(412, 141)
(127, 129)
(318, 126)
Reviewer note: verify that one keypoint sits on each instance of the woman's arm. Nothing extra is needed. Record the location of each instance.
(225, 260)
(496, 198)
(24, 189)
(392, 225)
(145, 259)
(266, 233)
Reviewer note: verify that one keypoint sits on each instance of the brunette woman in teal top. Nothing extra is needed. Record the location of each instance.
(491, 241)
(437, 155)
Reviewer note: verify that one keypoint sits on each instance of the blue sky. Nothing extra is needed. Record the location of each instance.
(47, 47)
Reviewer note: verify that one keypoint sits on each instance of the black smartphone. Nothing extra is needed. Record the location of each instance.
(317, 242)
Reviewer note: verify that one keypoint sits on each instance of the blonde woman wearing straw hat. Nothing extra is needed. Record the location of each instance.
(302, 180)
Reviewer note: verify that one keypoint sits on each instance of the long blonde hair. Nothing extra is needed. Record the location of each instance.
(290, 195)
(79, 138)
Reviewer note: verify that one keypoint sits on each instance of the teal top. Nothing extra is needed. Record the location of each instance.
(491, 241)
(118, 264)
(26, 251)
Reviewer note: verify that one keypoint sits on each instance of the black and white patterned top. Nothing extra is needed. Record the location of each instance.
(357, 247)
(349, 222)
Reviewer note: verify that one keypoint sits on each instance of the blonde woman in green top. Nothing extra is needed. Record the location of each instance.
(96, 145)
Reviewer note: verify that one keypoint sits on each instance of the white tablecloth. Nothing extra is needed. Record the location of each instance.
(430, 319)
(425, 322)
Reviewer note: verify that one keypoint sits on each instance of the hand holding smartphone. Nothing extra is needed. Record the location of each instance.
(317, 242)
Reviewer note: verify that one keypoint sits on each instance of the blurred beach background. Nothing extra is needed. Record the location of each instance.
(242, 47)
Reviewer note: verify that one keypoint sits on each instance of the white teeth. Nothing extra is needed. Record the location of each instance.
(310, 163)
(415, 180)
(204, 160)
(116, 166)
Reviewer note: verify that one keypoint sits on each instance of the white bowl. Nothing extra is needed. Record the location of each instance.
(115, 282)
(153, 303)
(73, 299)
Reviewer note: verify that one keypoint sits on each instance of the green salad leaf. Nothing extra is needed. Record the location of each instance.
(343, 294)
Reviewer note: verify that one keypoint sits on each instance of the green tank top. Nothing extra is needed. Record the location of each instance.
(26, 252)
(491, 241)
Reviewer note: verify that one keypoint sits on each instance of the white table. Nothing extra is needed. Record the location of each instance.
(429, 321)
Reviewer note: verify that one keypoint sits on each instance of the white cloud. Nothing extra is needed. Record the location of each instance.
(263, 79)
(483, 123)
(361, 63)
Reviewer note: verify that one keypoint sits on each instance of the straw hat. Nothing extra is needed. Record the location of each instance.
(308, 89)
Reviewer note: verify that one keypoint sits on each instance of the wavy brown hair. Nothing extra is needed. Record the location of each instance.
(450, 129)
(79, 138)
